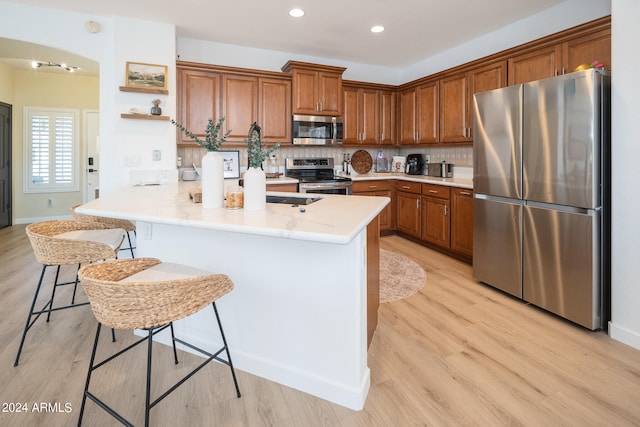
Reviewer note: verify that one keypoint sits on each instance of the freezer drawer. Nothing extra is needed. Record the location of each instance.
(497, 248)
(561, 258)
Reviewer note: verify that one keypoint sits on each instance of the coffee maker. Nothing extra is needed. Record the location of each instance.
(414, 164)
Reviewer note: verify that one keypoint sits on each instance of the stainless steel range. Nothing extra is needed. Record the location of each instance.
(316, 175)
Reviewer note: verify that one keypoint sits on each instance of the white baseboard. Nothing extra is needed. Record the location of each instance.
(625, 336)
(39, 219)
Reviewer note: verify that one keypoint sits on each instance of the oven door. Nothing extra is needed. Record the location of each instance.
(325, 187)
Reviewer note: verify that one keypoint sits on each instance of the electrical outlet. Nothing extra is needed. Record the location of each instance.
(427, 158)
(131, 162)
(50, 203)
(157, 155)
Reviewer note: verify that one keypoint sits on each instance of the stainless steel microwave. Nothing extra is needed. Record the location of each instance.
(316, 130)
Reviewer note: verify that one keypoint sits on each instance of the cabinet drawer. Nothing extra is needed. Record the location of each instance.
(463, 192)
(435, 191)
(408, 187)
(362, 186)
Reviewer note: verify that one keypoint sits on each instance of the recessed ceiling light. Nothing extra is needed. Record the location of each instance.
(296, 13)
(377, 29)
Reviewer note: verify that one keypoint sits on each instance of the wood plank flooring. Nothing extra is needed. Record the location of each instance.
(456, 353)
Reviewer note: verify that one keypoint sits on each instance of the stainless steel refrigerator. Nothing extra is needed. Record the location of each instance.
(541, 177)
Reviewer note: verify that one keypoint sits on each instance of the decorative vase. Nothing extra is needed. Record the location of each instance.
(212, 180)
(255, 189)
(156, 111)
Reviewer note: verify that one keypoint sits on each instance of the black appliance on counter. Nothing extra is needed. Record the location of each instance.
(316, 175)
(414, 164)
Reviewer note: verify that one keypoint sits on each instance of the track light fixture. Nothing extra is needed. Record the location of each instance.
(69, 68)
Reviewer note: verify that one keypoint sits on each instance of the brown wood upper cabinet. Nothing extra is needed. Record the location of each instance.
(456, 99)
(241, 96)
(419, 114)
(239, 106)
(561, 58)
(361, 116)
(198, 101)
(317, 89)
(274, 109)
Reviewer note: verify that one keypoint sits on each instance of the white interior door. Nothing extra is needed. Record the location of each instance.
(92, 154)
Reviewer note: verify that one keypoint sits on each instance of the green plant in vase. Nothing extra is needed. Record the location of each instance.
(212, 141)
(258, 152)
(212, 176)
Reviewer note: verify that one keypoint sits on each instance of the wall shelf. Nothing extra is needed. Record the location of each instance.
(144, 117)
(144, 90)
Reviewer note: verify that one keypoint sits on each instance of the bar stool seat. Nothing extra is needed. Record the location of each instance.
(124, 224)
(145, 293)
(66, 242)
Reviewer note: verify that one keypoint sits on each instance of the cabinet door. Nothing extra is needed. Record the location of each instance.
(536, 65)
(427, 105)
(350, 129)
(408, 213)
(408, 117)
(386, 215)
(330, 93)
(387, 117)
(462, 221)
(454, 117)
(274, 109)
(489, 77)
(240, 105)
(369, 116)
(305, 91)
(436, 221)
(586, 49)
(198, 101)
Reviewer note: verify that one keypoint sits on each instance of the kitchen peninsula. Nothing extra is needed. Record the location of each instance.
(299, 313)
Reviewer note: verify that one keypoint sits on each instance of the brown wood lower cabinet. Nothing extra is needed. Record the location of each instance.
(377, 188)
(286, 188)
(408, 208)
(436, 215)
(462, 221)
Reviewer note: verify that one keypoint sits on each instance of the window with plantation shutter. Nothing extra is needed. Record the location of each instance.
(51, 150)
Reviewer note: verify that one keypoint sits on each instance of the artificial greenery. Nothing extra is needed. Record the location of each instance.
(211, 141)
(258, 151)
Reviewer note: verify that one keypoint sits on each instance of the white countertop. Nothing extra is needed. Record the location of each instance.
(334, 219)
(451, 182)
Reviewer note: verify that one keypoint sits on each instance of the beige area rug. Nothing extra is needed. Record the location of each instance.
(400, 276)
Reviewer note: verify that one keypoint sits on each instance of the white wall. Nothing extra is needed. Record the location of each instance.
(120, 40)
(625, 322)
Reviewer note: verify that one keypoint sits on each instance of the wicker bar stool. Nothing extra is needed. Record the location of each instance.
(65, 242)
(144, 293)
(126, 225)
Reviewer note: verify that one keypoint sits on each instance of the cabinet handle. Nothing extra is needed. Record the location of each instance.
(433, 191)
(406, 187)
(417, 203)
(320, 106)
(563, 70)
(465, 193)
(382, 138)
(373, 186)
(445, 210)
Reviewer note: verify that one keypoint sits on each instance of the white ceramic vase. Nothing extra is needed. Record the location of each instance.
(212, 180)
(255, 189)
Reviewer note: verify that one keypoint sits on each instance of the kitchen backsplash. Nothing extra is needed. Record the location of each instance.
(459, 156)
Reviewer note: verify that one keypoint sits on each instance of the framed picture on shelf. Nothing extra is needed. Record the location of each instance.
(149, 76)
(231, 161)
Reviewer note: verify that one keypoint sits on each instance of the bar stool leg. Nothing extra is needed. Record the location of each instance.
(130, 245)
(75, 287)
(226, 348)
(53, 292)
(173, 341)
(86, 386)
(28, 324)
(147, 406)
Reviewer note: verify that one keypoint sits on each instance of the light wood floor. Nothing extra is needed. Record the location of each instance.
(457, 353)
